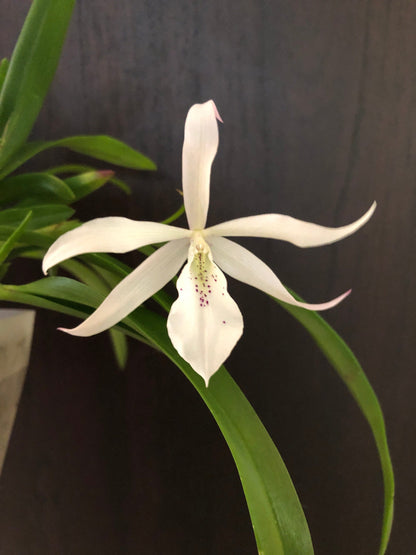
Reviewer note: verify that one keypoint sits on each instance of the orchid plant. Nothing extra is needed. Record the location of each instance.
(204, 323)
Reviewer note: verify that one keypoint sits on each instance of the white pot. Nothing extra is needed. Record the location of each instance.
(16, 330)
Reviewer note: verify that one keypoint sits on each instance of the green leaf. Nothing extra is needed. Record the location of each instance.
(82, 168)
(10, 242)
(94, 279)
(109, 268)
(62, 288)
(276, 513)
(59, 299)
(4, 268)
(12, 293)
(32, 67)
(277, 516)
(174, 216)
(108, 149)
(121, 184)
(349, 370)
(101, 147)
(4, 66)
(85, 183)
(56, 230)
(120, 348)
(42, 238)
(22, 155)
(35, 185)
(29, 237)
(42, 215)
(70, 168)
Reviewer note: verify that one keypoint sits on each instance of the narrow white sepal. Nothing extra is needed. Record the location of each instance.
(241, 264)
(204, 323)
(137, 287)
(286, 228)
(199, 150)
(112, 234)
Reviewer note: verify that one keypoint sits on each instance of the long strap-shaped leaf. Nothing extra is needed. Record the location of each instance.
(8, 245)
(276, 514)
(101, 147)
(279, 523)
(345, 363)
(31, 70)
(349, 369)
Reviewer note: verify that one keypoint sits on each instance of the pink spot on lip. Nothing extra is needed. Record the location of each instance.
(223, 322)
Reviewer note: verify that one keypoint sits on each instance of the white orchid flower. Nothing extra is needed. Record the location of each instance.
(204, 323)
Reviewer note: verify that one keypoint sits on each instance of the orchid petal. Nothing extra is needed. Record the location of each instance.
(204, 323)
(137, 287)
(199, 149)
(112, 234)
(241, 264)
(286, 228)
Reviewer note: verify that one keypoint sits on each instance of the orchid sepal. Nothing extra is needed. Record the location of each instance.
(286, 228)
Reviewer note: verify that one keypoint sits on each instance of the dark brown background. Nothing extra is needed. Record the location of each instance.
(318, 100)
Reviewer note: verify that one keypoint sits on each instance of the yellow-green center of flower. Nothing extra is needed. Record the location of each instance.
(199, 243)
(202, 270)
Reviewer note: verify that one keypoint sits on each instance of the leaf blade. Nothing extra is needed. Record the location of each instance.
(42, 215)
(9, 243)
(86, 183)
(4, 66)
(109, 149)
(343, 360)
(36, 184)
(277, 516)
(101, 147)
(32, 67)
(120, 348)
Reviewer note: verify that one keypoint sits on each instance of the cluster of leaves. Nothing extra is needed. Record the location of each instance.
(35, 208)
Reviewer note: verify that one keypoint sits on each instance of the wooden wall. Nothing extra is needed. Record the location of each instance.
(319, 106)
